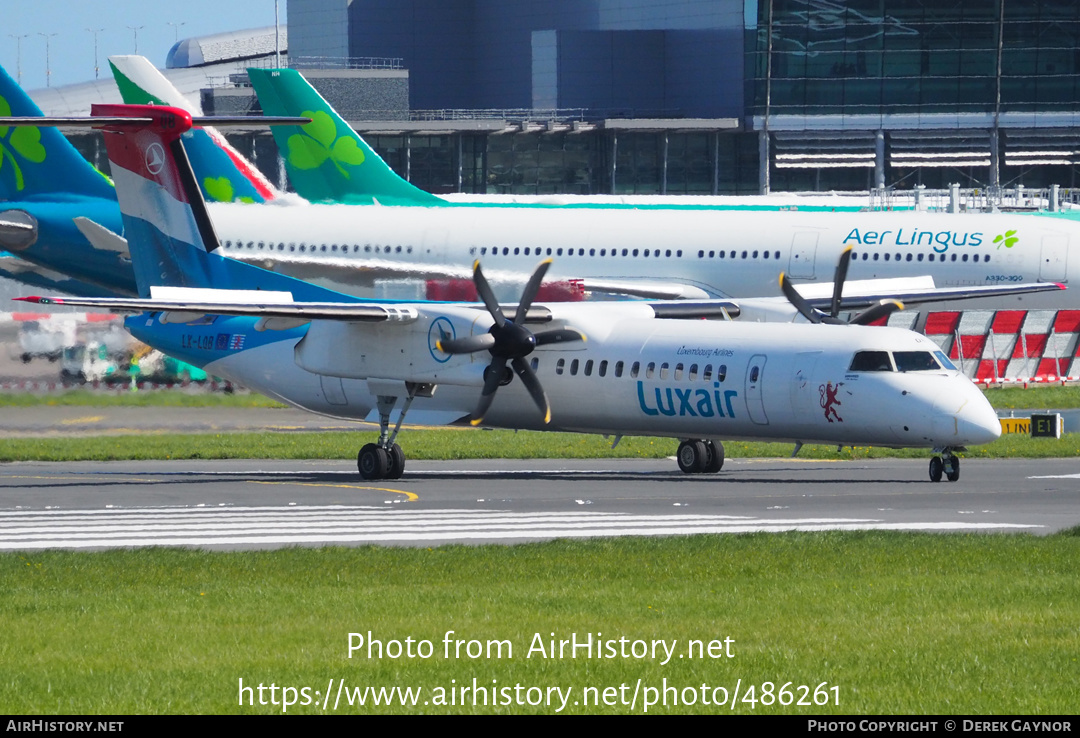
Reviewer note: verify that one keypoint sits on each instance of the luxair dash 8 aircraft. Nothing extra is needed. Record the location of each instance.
(616, 368)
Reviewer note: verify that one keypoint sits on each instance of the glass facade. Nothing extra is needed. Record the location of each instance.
(914, 56)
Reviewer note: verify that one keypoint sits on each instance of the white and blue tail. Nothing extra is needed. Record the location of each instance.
(169, 232)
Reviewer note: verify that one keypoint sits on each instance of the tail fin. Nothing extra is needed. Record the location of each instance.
(326, 159)
(224, 175)
(40, 161)
(166, 223)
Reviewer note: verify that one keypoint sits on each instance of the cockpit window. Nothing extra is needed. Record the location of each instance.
(916, 361)
(871, 361)
(944, 361)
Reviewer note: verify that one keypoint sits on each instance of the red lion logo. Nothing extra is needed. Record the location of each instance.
(829, 400)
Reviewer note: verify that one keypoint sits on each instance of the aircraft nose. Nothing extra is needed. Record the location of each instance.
(976, 421)
(978, 425)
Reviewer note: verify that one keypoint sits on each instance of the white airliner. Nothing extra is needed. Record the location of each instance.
(613, 368)
(660, 253)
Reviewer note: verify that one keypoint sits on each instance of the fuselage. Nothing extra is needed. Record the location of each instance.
(634, 375)
(721, 253)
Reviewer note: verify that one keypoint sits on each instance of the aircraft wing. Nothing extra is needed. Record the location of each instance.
(864, 297)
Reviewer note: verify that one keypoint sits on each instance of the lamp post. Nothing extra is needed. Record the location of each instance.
(18, 53)
(48, 69)
(176, 30)
(135, 32)
(95, 32)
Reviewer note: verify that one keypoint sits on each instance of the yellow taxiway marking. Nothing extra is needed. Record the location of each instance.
(86, 419)
(411, 497)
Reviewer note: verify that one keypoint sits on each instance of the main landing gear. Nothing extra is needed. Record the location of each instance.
(384, 459)
(700, 456)
(946, 464)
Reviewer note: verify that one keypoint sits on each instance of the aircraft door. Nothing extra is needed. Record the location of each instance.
(755, 402)
(803, 253)
(804, 395)
(1052, 263)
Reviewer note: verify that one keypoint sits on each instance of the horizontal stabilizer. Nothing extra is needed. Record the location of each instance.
(101, 237)
(345, 311)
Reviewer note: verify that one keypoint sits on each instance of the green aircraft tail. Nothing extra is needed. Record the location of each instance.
(326, 159)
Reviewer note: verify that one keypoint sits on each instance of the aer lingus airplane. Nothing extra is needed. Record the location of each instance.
(656, 252)
(615, 368)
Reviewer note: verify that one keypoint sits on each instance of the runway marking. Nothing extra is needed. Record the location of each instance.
(1058, 476)
(410, 496)
(83, 420)
(251, 527)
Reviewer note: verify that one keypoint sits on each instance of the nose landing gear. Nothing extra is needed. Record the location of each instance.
(947, 464)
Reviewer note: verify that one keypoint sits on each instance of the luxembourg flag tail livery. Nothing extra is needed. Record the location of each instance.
(165, 217)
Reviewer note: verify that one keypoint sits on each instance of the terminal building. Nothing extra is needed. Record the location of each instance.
(725, 97)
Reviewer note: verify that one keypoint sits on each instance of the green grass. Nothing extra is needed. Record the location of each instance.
(141, 398)
(453, 443)
(902, 623)
(1049, 397)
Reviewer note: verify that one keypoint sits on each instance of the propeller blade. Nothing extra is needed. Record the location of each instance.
(562, 335)
(531, 288)
(882, 309)
(800, 303)
(493, 376)
(484, 290)
(528, 378)
(838, 280)
(466, 345)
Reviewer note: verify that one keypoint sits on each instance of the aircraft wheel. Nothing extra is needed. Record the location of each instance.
(715, 460)
(373, 462)
(952, 468)
(692, 456)
(936, 468)
(397, 462)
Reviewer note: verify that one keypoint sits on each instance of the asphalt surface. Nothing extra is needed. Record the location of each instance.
(267, 504)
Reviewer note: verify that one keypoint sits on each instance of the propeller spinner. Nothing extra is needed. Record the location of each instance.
(811, 313)
(509, 341)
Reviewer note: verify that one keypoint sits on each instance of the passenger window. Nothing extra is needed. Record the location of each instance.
(635, 369)
(573, 368)
(706, 376)
(678, 371)
(650, 370)
(588, 368)
(663, 370)
(871, 361)
(755, 372)
(559, 366)
(618, 369)
(602, 371)
(721, 373)
(693, 372)
(535, 363)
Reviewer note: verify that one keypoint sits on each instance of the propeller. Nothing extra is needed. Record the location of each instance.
(874, 312)
(509, 341)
